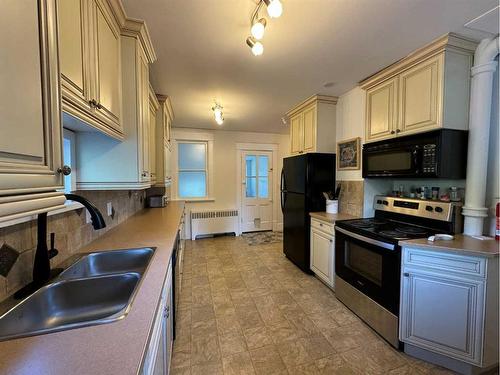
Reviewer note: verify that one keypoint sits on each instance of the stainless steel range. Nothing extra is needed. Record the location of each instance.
(368, 257)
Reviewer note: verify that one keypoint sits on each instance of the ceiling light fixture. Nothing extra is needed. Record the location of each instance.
(258, 28)
(274, 8)
(218, 115)
(256, 46)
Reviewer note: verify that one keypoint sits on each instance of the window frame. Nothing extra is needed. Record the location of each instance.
(197, 136)
(205, 170)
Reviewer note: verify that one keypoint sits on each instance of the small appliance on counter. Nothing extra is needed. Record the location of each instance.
(157, 201)
(436, 154)
(368, 257)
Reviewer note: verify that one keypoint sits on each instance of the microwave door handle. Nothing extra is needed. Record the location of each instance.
(415, 155)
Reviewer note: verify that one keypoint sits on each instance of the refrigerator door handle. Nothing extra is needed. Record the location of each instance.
(282, 179)
(283, 201)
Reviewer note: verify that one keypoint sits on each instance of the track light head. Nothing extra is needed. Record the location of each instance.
(256, 46)
(258, 28)
(274, 8)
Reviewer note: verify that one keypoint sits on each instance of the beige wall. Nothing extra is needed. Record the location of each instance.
(225, 163)
(72, 233)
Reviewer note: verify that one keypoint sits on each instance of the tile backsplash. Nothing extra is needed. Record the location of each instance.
(351, 198)
(71, 230)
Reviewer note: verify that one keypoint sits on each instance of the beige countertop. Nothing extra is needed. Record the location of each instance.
(331, 218)
(462, 244)
(114, 348)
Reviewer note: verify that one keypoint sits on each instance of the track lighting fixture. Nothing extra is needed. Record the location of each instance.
(258, 28)
(256, 46)
(274, 8)
(219, 118)
(258, 25)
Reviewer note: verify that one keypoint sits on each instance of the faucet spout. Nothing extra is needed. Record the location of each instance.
(96, 216)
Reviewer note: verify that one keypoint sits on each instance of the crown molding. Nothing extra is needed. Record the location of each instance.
(318, 98)
(448, 42)
(168, 104)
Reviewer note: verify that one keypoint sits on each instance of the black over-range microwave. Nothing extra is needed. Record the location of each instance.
(435, 154)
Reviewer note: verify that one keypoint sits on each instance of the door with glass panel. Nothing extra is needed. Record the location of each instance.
(257, 194)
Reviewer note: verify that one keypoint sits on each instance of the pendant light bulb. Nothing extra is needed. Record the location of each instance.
(274, 8)
(219, 118)
(257, 47)
(258, 29)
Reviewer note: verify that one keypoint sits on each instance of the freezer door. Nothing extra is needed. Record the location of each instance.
(294, 173)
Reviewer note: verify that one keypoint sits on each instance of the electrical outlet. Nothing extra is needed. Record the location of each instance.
(109, 208)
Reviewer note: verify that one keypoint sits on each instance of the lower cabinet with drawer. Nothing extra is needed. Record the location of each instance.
(323, 251)
(158, 353)
(449, 308)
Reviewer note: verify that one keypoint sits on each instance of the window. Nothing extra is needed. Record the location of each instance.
(257, 176)
(192, 169)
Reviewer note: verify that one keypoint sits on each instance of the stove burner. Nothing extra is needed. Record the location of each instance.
(393, 234)
(369, 223)
(411, 230)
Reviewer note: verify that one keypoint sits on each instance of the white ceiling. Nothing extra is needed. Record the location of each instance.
(202, 53)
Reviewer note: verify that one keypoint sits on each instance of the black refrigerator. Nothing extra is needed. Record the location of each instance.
(304, 178)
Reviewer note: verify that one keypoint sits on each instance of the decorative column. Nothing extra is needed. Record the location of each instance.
(482, 72)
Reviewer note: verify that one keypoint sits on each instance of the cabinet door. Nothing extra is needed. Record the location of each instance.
(381, 105)
(296, 132)
(310, 129)
(168, 168)
(169, 329)
(30, 121)
(143, 126)
(420, 93)
(168, 130)
(443, 314)
(322, 256)
(152, 142)
(73, 50)
(108, 65)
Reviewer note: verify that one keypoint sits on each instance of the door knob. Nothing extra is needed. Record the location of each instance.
(65, 170)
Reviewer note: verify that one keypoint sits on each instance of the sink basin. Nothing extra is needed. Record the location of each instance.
(70, 304)
(109, 262)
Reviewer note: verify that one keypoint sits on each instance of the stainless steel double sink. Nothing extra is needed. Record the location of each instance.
(98, 288)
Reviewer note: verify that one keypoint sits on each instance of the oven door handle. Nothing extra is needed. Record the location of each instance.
(385, 245)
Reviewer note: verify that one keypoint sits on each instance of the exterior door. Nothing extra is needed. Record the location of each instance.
(257, 191)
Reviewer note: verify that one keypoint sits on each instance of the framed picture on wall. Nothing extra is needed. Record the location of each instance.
(348, 154)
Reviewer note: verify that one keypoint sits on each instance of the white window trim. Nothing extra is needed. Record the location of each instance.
(193, 137)
(72, 138)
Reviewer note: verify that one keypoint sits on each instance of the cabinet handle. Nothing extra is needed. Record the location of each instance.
(99, 106)
(65, 170)
(93, 103)
(393, 132)
(406, 274)
(331, 240)
(398, 131)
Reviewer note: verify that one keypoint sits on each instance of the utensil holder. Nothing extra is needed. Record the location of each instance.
(332, 206)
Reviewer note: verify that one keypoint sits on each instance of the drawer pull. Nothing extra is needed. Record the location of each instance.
(406, 274)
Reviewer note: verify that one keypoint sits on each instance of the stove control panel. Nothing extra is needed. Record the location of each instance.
(436, 210)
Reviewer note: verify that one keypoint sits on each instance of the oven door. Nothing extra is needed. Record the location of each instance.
(372, 267)
(404, 160)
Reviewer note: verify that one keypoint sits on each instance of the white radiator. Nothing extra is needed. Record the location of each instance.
(213, 222)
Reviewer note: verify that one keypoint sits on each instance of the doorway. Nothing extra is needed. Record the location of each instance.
(256, 188)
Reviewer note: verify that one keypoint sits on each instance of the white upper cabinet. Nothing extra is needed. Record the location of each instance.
(91, 64)
(427, 90)
(103, 162)
(164, 118)
(312, 125)
(30, 130)
(153, 109)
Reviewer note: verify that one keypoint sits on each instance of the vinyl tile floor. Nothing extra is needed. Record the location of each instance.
(248, 310)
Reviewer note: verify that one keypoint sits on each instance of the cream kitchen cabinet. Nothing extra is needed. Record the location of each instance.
(427, 90)
(154, 105)
(30, 130)
(323, 251)
(158, 353)
(312, 125)
(103, 162)
(90, 55)
(449, 307)
(164, 118)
